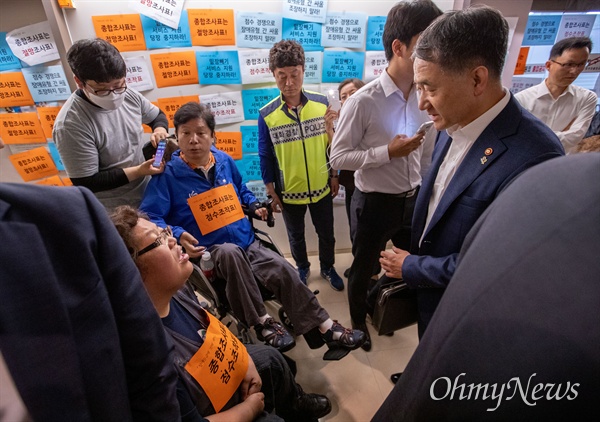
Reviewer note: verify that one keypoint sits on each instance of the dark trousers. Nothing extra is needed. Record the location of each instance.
(279, 386)
(349, 193)
(375, 218)
(321, 214)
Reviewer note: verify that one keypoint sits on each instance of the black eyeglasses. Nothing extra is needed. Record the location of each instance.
(163, 236)
(106, 92)
(570, 65)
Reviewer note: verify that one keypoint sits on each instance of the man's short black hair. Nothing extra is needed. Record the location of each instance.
(96, 60)
(462, 39)
(286, 53)
(405, 20)
(194, 110)
(568, 44)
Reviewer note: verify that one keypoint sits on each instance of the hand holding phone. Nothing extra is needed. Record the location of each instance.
(424, 127)
(160, 151)
(334, 100)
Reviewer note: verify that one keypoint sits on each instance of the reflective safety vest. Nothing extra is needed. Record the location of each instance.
(300, 144)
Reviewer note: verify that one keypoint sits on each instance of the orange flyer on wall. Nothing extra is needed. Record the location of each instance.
(171, 104)
(13, 90)
(173, 69)
(522, 61)
(216, 208)
(21, 128)
(51, 181)
(47, 118)
(123, 31)
(34, 164)
(210, 27)
(66, 4)
(220, 364)
(231, 143)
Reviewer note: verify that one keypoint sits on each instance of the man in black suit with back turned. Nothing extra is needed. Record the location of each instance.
(522, 308)
(486, 140)
(79, 337)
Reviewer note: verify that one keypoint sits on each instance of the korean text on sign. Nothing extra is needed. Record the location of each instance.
(220, 364)
(216, 208)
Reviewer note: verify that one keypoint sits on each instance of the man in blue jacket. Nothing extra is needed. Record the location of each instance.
(174, 198)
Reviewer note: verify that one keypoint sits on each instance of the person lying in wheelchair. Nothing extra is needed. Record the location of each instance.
(200, 195)
(238, 381)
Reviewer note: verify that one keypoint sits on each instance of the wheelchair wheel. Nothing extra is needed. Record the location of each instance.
(285, 320)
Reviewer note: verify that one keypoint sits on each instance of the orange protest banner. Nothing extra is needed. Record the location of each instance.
(123, 31)
(47, 118)
(211, 26)
(67, 181)
(21, 128)
(216, 208)
(34, 164)
(231, 143)
(220, 364)
(522, 61)
(13, 90)
(171, 104)
(172, 69)
(51, 181)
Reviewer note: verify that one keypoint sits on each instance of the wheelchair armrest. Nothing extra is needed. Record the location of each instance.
(148, 150)
(202, 285)
(264, 204)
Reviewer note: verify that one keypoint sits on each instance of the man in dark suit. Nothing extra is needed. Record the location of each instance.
(487, 140)
(522, 308)
(78, 333)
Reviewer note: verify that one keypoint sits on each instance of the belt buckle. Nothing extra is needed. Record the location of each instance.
(411, 193)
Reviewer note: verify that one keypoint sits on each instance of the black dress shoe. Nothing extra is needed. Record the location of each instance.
(312, 405)
(347, 273)
(366, 346)
(395, 377)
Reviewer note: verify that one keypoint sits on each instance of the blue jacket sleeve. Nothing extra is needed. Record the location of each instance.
(266, 152)
(428, 271)
(245, 194)
(156, 203)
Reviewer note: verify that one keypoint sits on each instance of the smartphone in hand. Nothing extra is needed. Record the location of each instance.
(160, 151)
(334, 100)
(424, 127)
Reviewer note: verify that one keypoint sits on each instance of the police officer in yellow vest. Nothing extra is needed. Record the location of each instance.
(292, 143)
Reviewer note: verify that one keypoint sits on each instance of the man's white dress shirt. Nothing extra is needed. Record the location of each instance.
(575, 104)
(368, 122)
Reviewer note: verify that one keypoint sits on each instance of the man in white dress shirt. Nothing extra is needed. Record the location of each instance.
(566, 108)
(376, 136)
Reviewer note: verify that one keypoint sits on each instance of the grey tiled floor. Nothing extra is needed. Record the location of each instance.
(357, 384)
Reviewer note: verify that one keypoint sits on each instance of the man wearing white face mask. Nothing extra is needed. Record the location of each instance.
(98, 131)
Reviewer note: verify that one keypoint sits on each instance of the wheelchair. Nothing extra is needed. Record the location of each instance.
(213, 293)
(214, 299)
